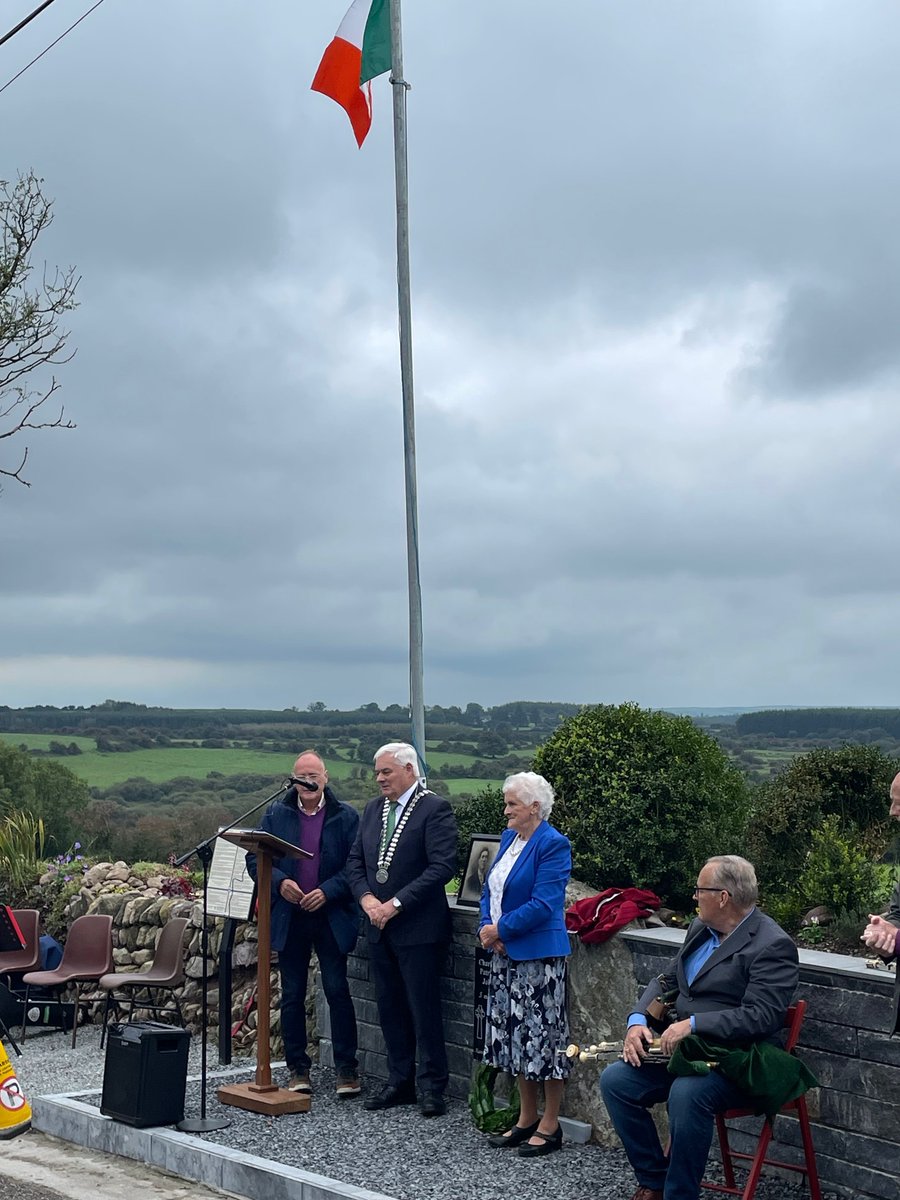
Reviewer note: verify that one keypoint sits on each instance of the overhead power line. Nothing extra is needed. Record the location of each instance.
(55, 42)
(22, 24)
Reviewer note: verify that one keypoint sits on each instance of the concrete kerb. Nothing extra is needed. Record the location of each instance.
(181, 1154)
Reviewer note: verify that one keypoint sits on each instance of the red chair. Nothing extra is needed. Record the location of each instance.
(793, 1022)
(16, 962)
(87, 956)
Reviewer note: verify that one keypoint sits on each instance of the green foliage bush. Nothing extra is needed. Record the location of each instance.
(47, 790)
(644, 797)
(481, 813)
(787, 910)
(838, 872)
(850, 783)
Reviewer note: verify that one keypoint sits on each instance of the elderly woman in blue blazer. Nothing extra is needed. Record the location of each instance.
(523, 924)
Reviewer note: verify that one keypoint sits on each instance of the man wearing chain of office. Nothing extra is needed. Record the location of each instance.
(403, 857)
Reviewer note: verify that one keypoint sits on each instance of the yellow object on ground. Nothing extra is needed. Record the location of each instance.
(15, 1111)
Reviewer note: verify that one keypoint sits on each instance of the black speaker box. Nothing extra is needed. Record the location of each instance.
(145, 1074)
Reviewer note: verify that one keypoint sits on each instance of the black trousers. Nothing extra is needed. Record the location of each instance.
(409, 1008)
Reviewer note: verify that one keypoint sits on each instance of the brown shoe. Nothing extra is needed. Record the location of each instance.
(648, 1194)
(347, 1085)
(299, 1082)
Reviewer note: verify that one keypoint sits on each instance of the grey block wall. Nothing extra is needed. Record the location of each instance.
(855, 1112)
(457, 996)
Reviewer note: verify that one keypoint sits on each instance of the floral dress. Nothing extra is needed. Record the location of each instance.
(527, 1020)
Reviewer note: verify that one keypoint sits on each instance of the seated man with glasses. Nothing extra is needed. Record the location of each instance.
(733, 980)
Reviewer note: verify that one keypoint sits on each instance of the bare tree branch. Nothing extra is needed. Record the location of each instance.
(30, 333)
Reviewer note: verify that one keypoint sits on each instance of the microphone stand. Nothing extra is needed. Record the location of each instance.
(204, 852)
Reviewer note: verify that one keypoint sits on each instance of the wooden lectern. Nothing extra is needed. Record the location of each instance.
(263, 1096)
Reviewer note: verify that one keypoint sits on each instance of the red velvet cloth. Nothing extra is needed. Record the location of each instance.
(596, 918)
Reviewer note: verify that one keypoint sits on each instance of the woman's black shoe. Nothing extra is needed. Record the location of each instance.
(515, 1136)
(551, 1142)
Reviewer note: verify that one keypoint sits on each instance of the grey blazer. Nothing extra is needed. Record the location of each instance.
(743, 990)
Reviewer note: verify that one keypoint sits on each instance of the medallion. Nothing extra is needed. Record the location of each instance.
(381, 875)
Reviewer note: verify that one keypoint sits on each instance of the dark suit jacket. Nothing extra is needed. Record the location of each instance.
(743, 990)
(422, 866)
(533, 922)
(338, 832)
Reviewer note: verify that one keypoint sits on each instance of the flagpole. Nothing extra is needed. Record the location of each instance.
(401, 185)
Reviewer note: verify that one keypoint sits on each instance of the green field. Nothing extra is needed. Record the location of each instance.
(41, 741)
(455, 787)
(103, 770)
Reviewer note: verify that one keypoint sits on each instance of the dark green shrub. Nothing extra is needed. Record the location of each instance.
(851, 783)
(644, 797)
(838, 872)
(786, 910)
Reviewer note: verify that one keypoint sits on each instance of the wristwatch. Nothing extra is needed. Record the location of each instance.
(396, 903)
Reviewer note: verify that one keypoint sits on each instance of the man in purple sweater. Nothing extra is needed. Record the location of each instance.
(312, 909)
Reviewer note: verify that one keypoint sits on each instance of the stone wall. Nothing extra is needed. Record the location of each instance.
(138, 912)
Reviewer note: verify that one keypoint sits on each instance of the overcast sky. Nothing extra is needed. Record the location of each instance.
(656, 306)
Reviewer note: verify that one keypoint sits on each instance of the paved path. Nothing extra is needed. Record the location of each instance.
(45, 1168)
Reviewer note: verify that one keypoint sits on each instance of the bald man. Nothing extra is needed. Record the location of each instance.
(312, 909)
(883, 933)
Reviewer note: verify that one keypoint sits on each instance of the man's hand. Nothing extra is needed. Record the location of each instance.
(673, 1034)
(380, 914)
(637, 1039)
(289, 890)
(880, 935)
(313, 900)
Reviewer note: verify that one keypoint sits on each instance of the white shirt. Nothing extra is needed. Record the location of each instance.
(499, 875)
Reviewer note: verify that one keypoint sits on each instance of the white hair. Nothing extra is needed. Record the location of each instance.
(736, 876)
(533, 789)
(402, 753)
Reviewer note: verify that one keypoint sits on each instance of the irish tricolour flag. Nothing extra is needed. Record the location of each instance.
(361, 50)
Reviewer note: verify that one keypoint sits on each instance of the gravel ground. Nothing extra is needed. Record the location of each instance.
(396, 1152)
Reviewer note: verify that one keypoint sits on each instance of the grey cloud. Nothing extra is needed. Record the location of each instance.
(614, 215)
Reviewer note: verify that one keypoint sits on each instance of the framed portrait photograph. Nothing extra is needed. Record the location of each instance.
(482, 852)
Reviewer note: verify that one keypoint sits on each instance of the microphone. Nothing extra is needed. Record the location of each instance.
(305, 784)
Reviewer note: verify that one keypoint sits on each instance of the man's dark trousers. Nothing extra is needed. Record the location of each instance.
(407, 979)
(308, 932)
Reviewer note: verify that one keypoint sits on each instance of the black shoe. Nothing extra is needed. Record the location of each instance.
(515, 1136)
(551, 1142)
(390, 1096)
(432, 1105)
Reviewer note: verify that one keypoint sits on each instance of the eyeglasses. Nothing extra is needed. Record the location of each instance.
(697, 890)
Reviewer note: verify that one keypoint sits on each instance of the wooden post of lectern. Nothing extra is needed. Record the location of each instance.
(262, 1095)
